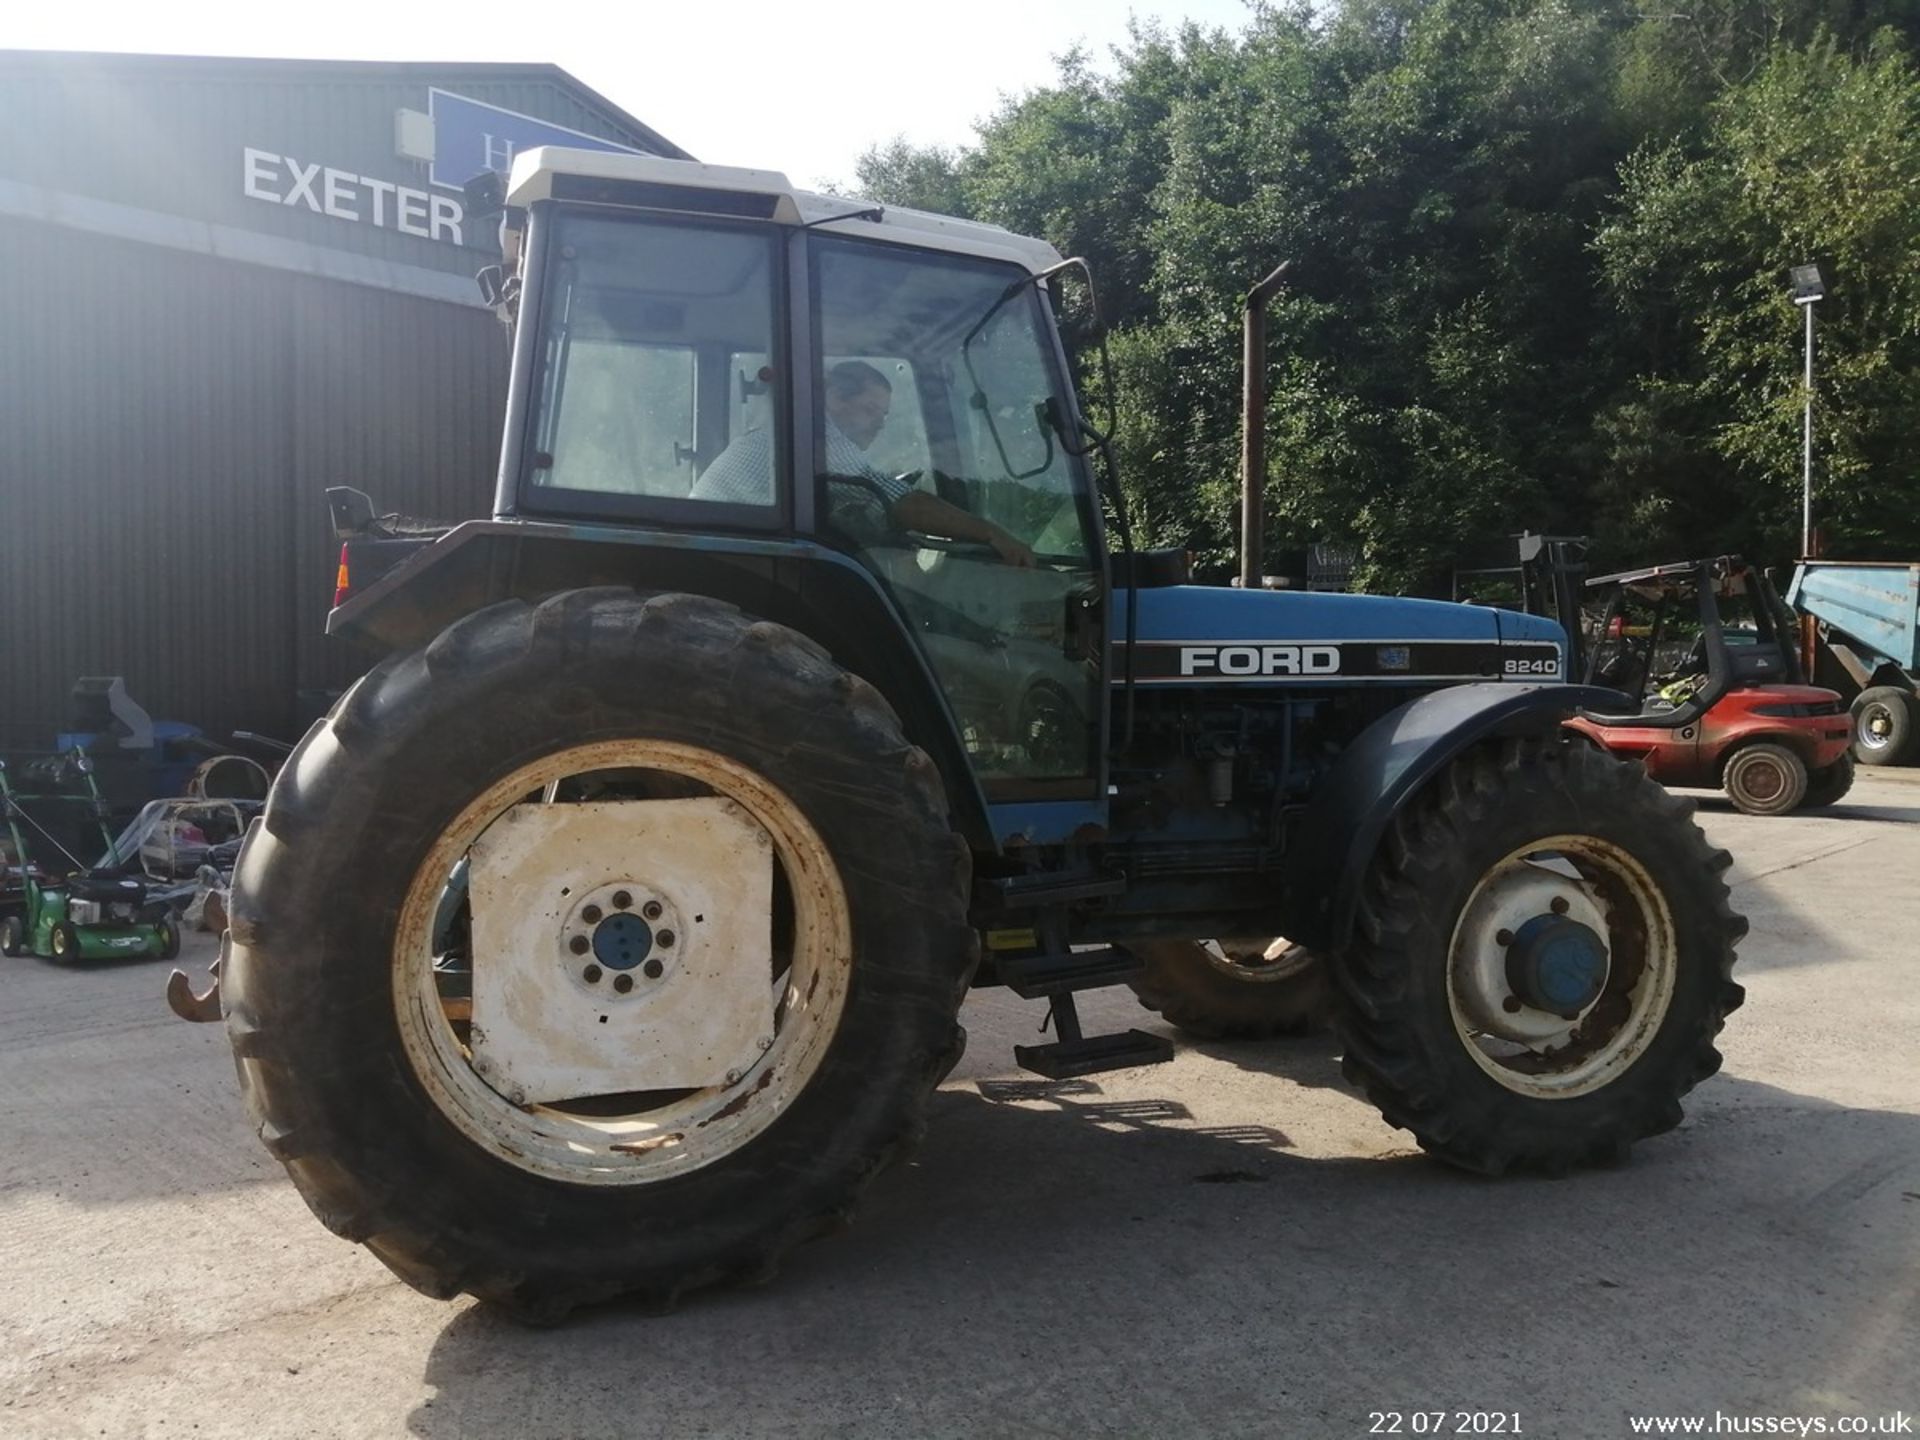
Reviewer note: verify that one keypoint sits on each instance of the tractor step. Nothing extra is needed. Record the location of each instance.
(1051, 887)
(1064, 1059)
(1034, 976)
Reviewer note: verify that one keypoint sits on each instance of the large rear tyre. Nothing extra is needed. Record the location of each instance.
(1252, 990)
(355, 1040)
(1542, 961)
(1885, 720)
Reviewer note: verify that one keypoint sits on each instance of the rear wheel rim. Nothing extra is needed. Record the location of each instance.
(1529, 1051)
(1761, 779)
(695, 1128)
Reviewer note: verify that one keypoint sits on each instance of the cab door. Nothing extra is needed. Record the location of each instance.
(938, 406)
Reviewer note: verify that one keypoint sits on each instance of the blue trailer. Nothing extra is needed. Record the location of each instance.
(1867, 647)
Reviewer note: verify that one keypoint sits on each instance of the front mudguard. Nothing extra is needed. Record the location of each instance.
(1384, 768)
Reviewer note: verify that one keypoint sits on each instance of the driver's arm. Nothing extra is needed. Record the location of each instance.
(919, 510)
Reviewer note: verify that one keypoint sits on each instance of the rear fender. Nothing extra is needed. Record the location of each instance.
(817, 591)
(1385, 767)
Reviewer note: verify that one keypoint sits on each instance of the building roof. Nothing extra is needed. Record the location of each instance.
(420, 71)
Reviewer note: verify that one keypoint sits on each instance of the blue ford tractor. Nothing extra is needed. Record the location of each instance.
(610, 935)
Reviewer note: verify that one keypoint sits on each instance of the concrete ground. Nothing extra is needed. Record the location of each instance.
(1233, 1244)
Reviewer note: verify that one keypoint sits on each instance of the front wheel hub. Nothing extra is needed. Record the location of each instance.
(1557, 964)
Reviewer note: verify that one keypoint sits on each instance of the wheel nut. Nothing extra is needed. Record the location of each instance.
(651, 909)
(592, 914)
(1504, 937)
(654, 969)
(591, 974)
(1558, 905)
(664, 939)
(623, 983)
(579, 945)
(622, 900)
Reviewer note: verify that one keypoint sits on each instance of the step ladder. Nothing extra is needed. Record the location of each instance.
(1056, 974)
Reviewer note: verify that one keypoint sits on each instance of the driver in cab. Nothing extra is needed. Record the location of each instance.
(858, 399)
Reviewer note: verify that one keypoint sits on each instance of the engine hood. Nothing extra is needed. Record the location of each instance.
(1199, 634)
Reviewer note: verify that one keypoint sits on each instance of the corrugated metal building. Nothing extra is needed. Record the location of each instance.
(229, 284)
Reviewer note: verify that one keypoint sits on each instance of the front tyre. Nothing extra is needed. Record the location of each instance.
(1542, 961)
(354, 1002)
(1253, 989)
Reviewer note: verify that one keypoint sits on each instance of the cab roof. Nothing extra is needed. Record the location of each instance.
(689, 187)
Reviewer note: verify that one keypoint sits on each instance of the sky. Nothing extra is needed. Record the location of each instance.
(803, 86)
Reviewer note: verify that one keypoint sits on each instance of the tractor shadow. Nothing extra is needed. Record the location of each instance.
(1074, 1259)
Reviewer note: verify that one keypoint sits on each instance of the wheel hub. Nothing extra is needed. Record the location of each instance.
(1530, 956)
(1557, 964)
(1763, 780)
(620, 940)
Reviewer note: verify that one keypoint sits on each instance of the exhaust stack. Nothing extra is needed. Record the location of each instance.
(1253, 431)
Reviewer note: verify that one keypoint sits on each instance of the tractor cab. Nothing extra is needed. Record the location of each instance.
(857, 416)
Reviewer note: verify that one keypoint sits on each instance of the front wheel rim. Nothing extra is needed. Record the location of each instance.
(1526, 1049)
(1259, 961)
(693, 1129)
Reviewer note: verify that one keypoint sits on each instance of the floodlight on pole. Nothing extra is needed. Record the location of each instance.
(1808, 291)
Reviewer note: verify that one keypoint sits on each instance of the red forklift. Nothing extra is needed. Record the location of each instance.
(1671, 636)
(1711, 655)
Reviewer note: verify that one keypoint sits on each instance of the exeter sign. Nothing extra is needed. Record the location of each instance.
(344, 195)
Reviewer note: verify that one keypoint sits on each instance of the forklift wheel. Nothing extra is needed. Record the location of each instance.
(12, 936)
(1765, 779)
(64, 942)
(1826, 787)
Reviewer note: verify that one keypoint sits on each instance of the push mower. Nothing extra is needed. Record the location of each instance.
(92, 913)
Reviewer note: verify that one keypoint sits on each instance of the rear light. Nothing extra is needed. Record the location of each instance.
(342, 585)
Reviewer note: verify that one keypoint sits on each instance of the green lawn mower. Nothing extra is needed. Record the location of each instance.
(93, 913)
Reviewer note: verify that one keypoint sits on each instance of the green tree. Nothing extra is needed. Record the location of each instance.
(1817, 158)
(917, 177)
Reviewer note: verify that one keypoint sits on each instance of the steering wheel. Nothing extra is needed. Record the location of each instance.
(869, 528)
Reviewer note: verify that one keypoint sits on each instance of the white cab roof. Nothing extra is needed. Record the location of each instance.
(534, 172)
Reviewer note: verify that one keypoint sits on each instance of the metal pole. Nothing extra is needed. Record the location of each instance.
(1806, 431)
(1253, 432)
